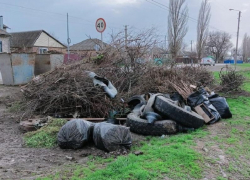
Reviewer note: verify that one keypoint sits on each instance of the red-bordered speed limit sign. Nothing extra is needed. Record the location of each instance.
(100, 25)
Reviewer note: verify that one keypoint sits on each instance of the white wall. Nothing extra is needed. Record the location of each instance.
(46, 41)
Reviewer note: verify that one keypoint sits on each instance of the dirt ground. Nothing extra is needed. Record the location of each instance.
(19, 162)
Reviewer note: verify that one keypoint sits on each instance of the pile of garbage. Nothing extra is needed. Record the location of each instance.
(161, 114)
(75, 91)
(71, 92)
(77, 133)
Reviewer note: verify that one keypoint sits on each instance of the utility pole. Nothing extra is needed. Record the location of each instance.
(238, 32)
(68, 39)
(126, 36)
(191, 46)
(166, 42)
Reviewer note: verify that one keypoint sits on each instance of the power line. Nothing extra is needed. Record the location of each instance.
(50, 12)
(191, 18)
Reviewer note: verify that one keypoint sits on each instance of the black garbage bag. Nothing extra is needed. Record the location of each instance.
(200, 97)
(75, 134)
(196, 99)
(220, 103)
(109, 137)
(177, 97)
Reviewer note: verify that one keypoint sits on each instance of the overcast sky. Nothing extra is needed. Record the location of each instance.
(50, 15)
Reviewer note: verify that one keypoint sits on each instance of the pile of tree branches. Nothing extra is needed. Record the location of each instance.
(230, 80)
(66, 92)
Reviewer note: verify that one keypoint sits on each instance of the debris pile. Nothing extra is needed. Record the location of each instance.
(82, 90)
(66, 92)
(231, 80)
(77, 133)
(163, 114)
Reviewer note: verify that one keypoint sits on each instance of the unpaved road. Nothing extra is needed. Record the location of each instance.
(18, 162)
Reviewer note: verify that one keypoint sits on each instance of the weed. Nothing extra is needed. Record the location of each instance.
(46, 136)
(15, 107)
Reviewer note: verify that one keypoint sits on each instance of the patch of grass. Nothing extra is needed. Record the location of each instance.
(46, 136)
(221, 178)
(172, 157)
(15, 107)
(239, 107)
(245, 65)
(216, 76)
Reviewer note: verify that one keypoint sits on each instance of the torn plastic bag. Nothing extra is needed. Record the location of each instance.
(75, 134)
(104, 83)
(109, 137)
(199, 98)
(213, 111)
(221, 105)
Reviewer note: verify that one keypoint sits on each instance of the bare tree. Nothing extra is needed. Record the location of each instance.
(218, 44)
(202, 27)
(137, 47)
(177, 25)
(246, 47)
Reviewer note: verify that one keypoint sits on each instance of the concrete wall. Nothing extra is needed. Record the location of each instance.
(6, 69)
(5, 44)
(47, 62)
(56, 60)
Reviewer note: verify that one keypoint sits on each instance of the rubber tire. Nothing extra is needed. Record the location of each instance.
(187, 119)
(135, 100)
(141, 126)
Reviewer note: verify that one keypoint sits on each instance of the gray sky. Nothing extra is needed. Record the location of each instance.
(50, 15)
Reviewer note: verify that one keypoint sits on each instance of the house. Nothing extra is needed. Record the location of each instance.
(4, 37)
(87, 46)
(39, 42)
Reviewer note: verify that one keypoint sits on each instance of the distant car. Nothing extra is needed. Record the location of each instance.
(207, 61)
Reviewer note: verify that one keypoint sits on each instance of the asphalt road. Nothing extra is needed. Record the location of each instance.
(215, 68)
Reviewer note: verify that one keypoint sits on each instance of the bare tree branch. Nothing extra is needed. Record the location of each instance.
(219, 44)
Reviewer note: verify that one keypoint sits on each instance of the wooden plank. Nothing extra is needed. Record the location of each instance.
(200, 111)
(87, 119)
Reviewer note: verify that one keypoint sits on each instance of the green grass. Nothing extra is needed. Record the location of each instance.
(15, 107)
(46, 136)
(216, 76)
(245, 65)
(171, 157)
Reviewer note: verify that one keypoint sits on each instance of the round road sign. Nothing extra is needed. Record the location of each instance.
(100, 25)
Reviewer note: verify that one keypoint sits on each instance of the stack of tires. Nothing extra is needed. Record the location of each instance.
(174, 118)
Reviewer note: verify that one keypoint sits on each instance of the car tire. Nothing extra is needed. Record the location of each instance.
(167, 109)
(137, 99)
(141, 126)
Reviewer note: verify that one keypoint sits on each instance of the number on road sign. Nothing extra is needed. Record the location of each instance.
(100, 25)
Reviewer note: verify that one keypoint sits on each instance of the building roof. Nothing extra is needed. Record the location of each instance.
(87, 45)
(27, 38)
(3, 32)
